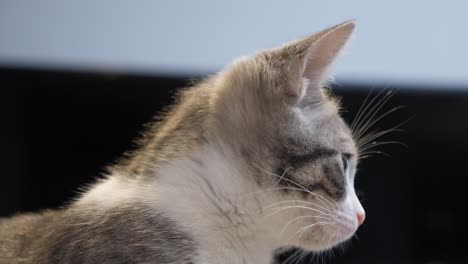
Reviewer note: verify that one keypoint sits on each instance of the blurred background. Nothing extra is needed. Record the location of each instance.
(80, 78)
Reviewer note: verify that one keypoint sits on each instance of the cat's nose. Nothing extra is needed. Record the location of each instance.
(360, 218)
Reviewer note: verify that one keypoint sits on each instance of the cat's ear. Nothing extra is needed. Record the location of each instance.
(311, 59)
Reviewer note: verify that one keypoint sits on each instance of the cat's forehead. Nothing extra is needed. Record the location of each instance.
(326, 128)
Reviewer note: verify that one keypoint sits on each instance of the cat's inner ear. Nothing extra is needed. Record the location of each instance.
(315, 58)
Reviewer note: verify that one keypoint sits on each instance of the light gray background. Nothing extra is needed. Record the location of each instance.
(410, 42)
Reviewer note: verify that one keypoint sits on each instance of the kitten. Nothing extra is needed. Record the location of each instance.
(253, 159)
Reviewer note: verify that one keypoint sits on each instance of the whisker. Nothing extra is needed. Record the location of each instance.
(299, 201)
(376, 144)
(370, 137)
(365, 157)
(299, 207)
(366, 154)
(376, 108)
(319, 197)
(364, 113)
(360, 110)
(397, 127)
(288, 180)
(335, 205)
(371, 122)
(292, 257)
(374, 136)
(302, 230)
(365, 143)
(334, 234)
(372, 112)
(285, 188)
(282, 175)
(300, 217)
(276, 189)
(300, 257)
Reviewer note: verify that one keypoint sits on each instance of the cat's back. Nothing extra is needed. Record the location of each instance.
(22, 234)
(121, 234)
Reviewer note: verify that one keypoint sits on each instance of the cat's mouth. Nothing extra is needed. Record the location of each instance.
(347, 226)
(324, 235)
(327, 237)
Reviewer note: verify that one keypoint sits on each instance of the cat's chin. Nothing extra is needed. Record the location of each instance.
(327, 240)
(320, 247)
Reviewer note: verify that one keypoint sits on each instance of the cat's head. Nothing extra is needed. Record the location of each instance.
(274, 111)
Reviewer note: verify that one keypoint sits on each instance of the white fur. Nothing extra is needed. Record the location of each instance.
(224, 216)
(107, 193)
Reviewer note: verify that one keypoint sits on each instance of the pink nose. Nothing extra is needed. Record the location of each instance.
(360, 218)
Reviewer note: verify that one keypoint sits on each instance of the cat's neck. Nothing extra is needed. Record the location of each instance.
(220, 207)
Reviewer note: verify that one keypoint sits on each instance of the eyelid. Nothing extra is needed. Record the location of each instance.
(347, 155)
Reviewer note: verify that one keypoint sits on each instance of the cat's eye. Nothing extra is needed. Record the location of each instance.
(345, 160)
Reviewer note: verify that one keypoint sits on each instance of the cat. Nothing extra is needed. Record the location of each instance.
(251, 160)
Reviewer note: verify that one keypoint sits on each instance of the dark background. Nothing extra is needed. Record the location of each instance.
(59, 130)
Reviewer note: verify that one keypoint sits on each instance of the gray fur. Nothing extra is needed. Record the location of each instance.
(128, 234)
